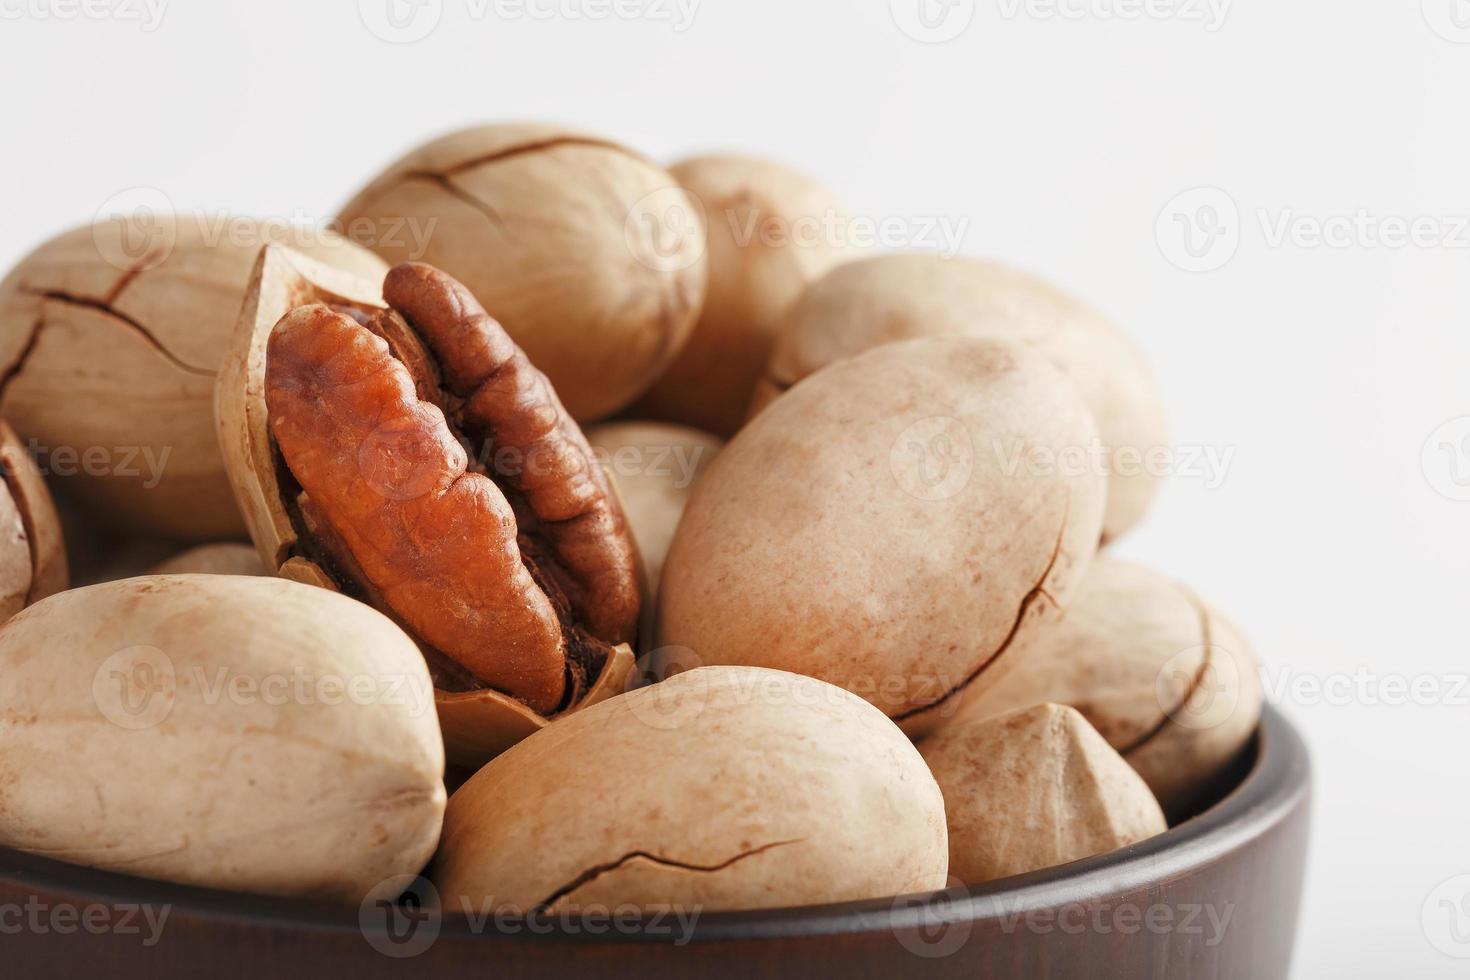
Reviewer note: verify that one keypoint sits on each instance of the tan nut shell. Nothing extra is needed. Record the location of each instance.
(897, 297)
(870, 530)
(32, 554)
(224, 558)
(113, 348)
(568, 240)
(129, 742)
(767, 240)
(477, 725)
(1167, 680)
(720, 788)
(655, 467)
(1035, 789)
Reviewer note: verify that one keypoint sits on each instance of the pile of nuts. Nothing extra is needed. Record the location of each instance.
(707, 569)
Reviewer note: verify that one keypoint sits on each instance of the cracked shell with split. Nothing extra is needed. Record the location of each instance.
(110, 338)
(902, 524)
(591, 256)
(720, 788)
(250, 734)
(1167, 680)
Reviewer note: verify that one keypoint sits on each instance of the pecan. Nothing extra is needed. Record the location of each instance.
(514, 567)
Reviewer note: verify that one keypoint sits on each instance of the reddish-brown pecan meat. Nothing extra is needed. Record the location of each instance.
(518, 566)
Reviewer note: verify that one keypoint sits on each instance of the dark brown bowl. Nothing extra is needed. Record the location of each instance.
(1215, 897)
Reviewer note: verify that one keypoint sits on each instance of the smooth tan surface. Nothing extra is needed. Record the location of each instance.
(225, 558)
(1035, 789)
(242, 733)
(589, 255)
(720, 788)
(867, 529)
(1166, 679)
(655, 467)
(118, 358)
(898, 297)
(770, 233)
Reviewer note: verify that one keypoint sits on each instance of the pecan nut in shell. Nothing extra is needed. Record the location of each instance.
(519, 575)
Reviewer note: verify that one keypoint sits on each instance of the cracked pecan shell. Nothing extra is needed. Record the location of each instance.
(907, 521)
(110, 340)
(591, 256)
(778, 790)
(347, 424)
(1167, 680)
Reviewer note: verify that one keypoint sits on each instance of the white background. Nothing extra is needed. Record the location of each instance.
(1060, 139)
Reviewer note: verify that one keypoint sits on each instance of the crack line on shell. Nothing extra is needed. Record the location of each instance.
(1037, 592)
(446, 184)
(1195, 683)
(443, 177)
(102, 307)
(598, 870)
(25, 355)
(535, 146)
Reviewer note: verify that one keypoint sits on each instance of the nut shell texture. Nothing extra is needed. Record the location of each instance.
(562, 237)
(899, 297)
(871, 530)
(768, 237)
(250, 734)
(1035, 789)
(106, 348)
(720, 788)
(655, 467)
(1166, 679)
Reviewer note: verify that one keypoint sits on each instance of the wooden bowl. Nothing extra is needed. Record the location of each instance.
(1216, 897)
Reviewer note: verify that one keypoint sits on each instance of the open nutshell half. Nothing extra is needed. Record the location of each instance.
(344, 422)
(32, 555)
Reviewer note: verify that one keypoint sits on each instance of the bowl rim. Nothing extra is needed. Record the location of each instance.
(1278, 780)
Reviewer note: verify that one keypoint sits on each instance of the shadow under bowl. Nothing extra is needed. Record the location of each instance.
(1216, 896)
